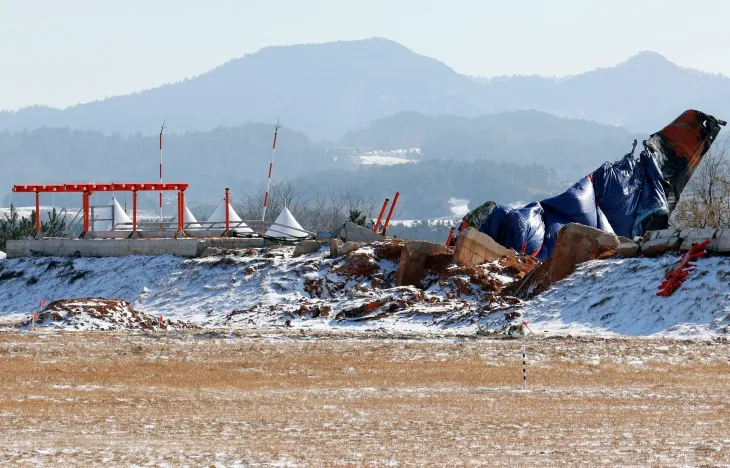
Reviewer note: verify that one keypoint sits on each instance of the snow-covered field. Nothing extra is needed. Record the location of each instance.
(298, 399)
(619, 296)
(387, 158)
(252, 289)
(268, 288)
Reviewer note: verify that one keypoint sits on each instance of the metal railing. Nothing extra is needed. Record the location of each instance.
(253, 228)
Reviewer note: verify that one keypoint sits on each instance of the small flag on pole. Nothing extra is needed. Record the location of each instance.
(43, 303)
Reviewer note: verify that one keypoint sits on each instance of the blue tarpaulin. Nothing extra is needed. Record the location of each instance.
(628, 197)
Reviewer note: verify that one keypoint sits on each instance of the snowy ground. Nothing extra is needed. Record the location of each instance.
(205, 399)
(387, 158)
(619, 296)
(267, 288)
(253, 289)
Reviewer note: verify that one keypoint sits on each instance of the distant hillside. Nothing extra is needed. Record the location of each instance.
(325, 90)
(570, 146)
(506, 157)
(426, 188)
(322, 89)
(411, 129)
(224, 157)
(644, 92)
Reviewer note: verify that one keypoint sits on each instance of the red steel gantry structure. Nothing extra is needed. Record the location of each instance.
(86, 189)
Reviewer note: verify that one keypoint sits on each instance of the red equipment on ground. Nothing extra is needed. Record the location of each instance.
(685, 265)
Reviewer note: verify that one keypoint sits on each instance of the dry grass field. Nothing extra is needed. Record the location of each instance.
(222, 400)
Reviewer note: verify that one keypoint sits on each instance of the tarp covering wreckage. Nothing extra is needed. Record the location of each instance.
(629, 197)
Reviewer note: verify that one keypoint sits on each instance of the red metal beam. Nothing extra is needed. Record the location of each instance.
(110, 187)
(37, 188)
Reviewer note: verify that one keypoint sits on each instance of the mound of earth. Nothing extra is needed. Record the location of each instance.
(91, 314)
(261, 287)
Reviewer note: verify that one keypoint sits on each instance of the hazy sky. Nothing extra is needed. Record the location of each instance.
(60, 53)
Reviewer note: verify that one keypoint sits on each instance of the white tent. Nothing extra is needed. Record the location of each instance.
(2, 255)
(219, 218)
(189, 220)
(105, 218)
(285, 226)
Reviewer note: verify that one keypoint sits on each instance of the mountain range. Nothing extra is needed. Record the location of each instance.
(505, 138)
(327, 90)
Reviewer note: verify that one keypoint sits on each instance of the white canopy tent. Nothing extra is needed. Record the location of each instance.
(286, 226)
(105, 218)
(219, 219)
(189, 220)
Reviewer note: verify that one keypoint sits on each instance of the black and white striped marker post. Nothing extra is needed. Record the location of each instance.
(524, 367)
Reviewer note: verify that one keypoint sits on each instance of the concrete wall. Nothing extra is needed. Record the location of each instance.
(101, 248)
(122, 247)
(354, 233)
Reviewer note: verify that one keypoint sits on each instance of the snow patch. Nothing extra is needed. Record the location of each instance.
(618, 296)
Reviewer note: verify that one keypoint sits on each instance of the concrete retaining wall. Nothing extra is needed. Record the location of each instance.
(102, 248)
(122, 247)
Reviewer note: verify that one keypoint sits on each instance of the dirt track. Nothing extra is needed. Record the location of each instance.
(114, 399)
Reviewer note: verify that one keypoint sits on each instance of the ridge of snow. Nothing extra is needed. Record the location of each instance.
(266, 287)
(618, 296)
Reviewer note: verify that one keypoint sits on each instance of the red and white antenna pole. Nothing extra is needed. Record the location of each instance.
(162, 128)
(271, 166)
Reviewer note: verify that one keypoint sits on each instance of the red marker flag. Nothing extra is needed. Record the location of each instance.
(43, 303)
(35, 315)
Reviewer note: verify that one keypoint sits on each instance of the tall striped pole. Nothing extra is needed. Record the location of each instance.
(162, 128)
(524, 367)
(268, 183)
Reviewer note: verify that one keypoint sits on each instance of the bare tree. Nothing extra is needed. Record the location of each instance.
(705, 202)
(320, 211)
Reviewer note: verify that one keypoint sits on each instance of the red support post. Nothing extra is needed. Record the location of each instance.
(451, 236)
(179, 212)
(390, 213)
(86, 211)
(182, 210)
(37, 213)
(380, 216)
(228, 224)
(134, 211)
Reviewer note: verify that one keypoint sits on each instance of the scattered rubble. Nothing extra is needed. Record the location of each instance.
(307, 247)
(391, 282)
(657, 243)
(575, 244)
(474, 248)
(96, 314)
(354, 233)
(338, 248)
(628, 249)
(412, 263)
